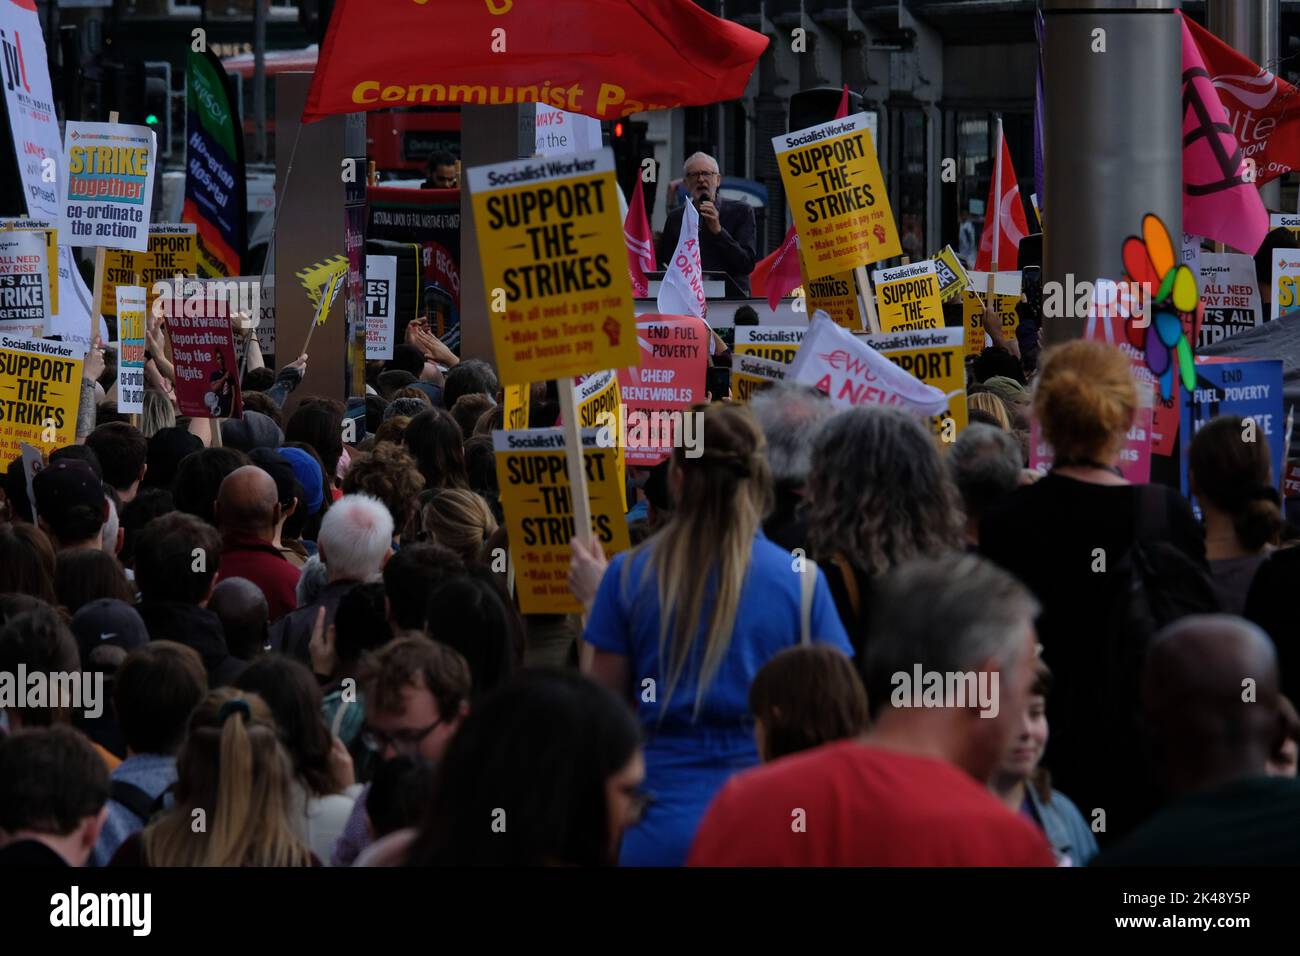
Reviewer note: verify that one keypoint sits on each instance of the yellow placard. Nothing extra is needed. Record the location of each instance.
(936, 357)
(952, 274)
(517, 401)
(599, 403)
(173, 250)
(326, 300)
(749, 373)
(836, 194)
(776, 343)
(837, 296)
(318, 275)
(554, 266)
(907, 297)
(40, 387)
(532, 473)
(51, 251)
(1006, 296)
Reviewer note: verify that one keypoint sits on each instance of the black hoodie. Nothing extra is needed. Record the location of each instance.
(195, 627)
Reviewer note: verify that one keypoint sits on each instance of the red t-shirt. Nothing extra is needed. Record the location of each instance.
(846, 804)
(248, 557)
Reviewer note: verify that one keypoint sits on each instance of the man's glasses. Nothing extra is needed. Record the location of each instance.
(403, 741)
(701, 175)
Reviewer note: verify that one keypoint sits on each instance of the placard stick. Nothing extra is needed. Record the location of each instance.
(868, 299)
(97, 300)
(997, 230)
(577, 463)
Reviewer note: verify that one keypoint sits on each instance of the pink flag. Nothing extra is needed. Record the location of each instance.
(639, 241)
(1220, 200)
(775, 275)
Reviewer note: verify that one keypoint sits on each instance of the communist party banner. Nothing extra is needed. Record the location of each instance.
(837, 196)
(908, 297)
(172, 252)
(935, 357)
(601, 58)
(108, 184)
(214, 175)
(550, 238)
(40, 386)
(533, 475)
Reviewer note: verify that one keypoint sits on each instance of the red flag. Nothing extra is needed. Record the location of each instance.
(601, 58)
(1004, 215)
(639, 241)
(1263, 111)
(1220, 200)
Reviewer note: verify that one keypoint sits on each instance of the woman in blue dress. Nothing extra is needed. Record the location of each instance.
(681, 624)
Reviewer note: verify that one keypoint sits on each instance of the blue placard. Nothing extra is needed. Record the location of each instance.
(1251, 389)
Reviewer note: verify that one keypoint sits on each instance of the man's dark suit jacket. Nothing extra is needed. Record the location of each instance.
(731, 251)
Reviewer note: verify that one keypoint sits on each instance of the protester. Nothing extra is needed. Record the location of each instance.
(159, 414)
(540, 725)
(458, 520)
(252, 430)
(84, 576)
(360, 627)
(878, 496)
(122, 451)
(913, 792)
(27, 562)
(1211, 745)
(168, 447)
(244, 613)
(150, 503)
(235, 775)
(1026, 788)
(154, 692)
(469, 409)
(441, 171)
(1092, 631)
(301, 528)
(410, 576)
(318, 422)
(985, 466)
(727, 235)
(805, 697)
(790, 417)
(70, 505)
(987, 408)
(53, 788)
(471, 377)
(290, 494)
(177, 559)
(468, 613)
(355, 540)
(198, 480)
(733, 606)
(248, 513)
(396, 800)
(1286, 752)
(37, 641)
(325, 785)
(387, 472)
(1230, 474)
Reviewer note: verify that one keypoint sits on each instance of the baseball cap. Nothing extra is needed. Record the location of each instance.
(66, 484)
(254, 430)
(308, 474)
(107, 622)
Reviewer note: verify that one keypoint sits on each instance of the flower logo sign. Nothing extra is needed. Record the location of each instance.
(1165, 335)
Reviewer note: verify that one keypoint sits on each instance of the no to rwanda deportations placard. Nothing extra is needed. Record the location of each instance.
(836, 195)
(40, 386)
(907, 297)
(107, 184)
(24, 285)
(50, 235)
(130, 361)
(776, 343)
(936, 357)
(670, 378)
(173, 251)
(533, 475)
(554, 266)
(203, 351)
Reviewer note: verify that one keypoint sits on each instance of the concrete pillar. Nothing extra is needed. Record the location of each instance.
(1251, 28)
(1112, 138)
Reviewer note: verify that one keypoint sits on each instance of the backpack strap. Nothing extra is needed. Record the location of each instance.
(850, 583)
(807, 587)
(136, 800)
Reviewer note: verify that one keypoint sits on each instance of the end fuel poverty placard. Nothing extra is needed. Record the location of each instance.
(836, 194)
(533, 474)
(554, 266)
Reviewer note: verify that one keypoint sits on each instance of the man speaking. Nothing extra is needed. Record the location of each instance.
(726, 228)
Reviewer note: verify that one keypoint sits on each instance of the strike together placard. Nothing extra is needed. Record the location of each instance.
(554, 266)
(836, 194)
(108, 185)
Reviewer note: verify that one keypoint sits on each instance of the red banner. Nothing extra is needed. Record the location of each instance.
(601, 58)
(670, 379)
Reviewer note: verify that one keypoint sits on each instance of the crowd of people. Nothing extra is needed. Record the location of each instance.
(298, 648)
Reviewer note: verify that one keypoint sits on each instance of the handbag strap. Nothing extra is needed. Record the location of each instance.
(807, 587)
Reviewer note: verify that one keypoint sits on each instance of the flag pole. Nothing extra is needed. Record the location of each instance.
(997, 226)
(868, 299)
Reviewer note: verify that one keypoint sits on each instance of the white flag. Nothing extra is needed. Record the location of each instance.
(682, 291)
(851, 373)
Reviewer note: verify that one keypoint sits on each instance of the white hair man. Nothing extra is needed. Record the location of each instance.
(355, 541)
(727, 240)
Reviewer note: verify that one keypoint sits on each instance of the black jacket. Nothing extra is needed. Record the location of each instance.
(731, 251)
(195, 627)
(292, 633)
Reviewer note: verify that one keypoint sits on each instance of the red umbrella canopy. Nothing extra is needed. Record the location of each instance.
(602, 58)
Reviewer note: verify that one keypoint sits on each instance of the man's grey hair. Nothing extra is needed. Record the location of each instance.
(311, 581)
(790, 417)
(700, 155)
(985, 466)
(355, 536)
(948, 614)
